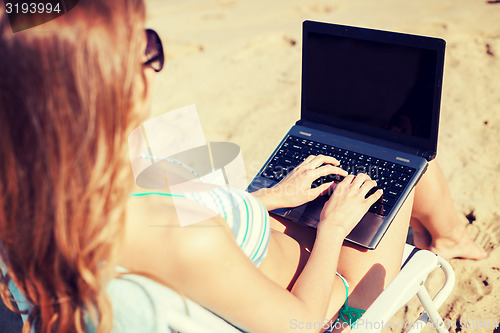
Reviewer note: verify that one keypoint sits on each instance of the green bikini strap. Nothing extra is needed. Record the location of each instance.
(165, 194)
(348, 314)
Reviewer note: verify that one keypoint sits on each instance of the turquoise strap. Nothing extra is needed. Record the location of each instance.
(165, 194)
(348, 314)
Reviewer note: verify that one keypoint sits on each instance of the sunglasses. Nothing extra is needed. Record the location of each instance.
(154, 51)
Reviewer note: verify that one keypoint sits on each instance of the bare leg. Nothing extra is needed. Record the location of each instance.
(435, 221)
(370, 271)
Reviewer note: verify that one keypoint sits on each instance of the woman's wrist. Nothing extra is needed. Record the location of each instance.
(269, 198)
(332, 228)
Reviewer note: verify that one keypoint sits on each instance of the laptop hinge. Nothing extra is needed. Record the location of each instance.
(428, 155)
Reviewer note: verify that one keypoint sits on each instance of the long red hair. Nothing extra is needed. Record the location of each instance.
(69, 95)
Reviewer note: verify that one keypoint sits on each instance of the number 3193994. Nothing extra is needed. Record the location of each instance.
(32, 8)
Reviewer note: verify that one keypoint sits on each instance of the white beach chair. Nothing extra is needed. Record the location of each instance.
(165, 311)
(417, 265)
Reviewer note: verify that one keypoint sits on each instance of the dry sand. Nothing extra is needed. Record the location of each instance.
(239, 62)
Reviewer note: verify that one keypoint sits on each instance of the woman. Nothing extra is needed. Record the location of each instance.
(67, 105)
(70, 92)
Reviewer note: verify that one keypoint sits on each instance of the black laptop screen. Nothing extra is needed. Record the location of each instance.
(376, 83)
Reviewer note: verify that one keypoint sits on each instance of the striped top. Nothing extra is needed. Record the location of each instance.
(245, 215)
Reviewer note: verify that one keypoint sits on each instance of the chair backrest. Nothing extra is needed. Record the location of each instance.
(139, 305)
(143, 305)
(156, 308)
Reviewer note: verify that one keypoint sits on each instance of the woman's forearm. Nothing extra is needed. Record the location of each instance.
(315, 284)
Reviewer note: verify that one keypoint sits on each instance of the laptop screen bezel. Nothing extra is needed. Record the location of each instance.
(425, 146)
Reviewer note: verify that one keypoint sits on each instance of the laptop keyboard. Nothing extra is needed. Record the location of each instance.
(391, 177)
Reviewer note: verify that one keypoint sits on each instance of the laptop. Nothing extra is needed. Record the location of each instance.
(371, 99)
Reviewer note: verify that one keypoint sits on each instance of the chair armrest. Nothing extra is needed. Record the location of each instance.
(403, 288)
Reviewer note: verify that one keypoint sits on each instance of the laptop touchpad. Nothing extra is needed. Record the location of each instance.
(314, 208)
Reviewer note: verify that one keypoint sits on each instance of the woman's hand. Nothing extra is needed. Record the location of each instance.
(348, 204)
(295, 189)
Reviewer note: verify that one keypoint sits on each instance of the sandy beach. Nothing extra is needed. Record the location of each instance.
(240, 63)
